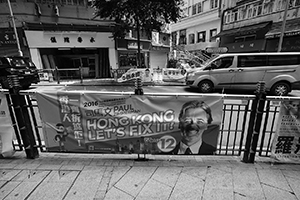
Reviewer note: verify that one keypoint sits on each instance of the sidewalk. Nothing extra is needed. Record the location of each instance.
(119, 176)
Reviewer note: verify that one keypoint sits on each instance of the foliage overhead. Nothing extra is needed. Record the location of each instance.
(151, 15)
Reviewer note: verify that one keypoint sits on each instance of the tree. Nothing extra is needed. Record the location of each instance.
(141, 15)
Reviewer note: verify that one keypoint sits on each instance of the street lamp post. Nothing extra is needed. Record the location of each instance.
(15, 29)
(283, 26)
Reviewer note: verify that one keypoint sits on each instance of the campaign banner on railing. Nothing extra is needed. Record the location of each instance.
(113, 123)
(286, 140)
(6, 129)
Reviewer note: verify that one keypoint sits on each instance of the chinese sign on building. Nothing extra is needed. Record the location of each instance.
(115, 123)
(286, 142)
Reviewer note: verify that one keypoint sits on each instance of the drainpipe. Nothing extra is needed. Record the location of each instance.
(15, 29)
(283, 26)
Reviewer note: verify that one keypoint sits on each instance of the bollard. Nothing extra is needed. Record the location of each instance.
(22, 117)
(81, 74)
(138, 86)
(255, 123)
(57, 75)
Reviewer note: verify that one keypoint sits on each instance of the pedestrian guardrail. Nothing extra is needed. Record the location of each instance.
(63, 73)
(234, 131)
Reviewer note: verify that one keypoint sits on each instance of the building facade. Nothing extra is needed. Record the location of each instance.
(64, 35)
(196, 31)
(256, 25)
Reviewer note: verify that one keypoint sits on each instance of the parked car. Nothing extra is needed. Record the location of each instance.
(23, 68)
(243, 71)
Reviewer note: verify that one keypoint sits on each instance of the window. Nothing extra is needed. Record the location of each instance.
(194, 9)
(242, 13)
(213, 4)
(192, 38)
(174, 38)
(201, 37)
(268, 6)
(245, 38)
(250, 11)
(212, 35)
(188, 10)
(227, 17)
(252, 61)
(200, 7)
(182, 36)
(294, 3)
(129, 59)
(222, 63)
(275, 60)
(185, 12)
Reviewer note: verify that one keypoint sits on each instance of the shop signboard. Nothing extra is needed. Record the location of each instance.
(86, 121)
(286, 140)
(8, 38)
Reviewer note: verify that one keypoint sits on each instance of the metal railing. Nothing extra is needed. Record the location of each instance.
(56, 74)
(233, 129)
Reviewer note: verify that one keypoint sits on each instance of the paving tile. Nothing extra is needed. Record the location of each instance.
(135, 179)
(294, 183)
(54, 186)
(167, 175)
(116, 193)
(273, 178)
(29, 180)
(246, 178)
(27, 166)
(8, 174)
(116, 175)
(198, 172)
(244, 193)
(218, 178)
(86, 185)
(273, 193)
(48, 167)
(31, 175)
(154, 190)
(218, 193)
(7, 188)
(7, 165)
(291, 173)
(187, 187)
(72, 167)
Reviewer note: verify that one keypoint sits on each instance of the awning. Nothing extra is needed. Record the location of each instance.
(245, 30)
(292, 27)
(246, 46)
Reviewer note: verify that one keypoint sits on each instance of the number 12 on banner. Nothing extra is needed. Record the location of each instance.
(166, 143)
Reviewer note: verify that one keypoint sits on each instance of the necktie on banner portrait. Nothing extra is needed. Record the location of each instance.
(6, 129)
(286, 140)
(87, 121)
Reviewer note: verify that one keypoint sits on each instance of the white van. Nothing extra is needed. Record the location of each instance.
(243, 71)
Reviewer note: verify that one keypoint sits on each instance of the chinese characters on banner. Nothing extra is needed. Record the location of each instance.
(112, 123)
(286, 141)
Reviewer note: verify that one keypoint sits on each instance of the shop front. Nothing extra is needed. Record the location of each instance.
(128, 55)
(245, 38)
(291, 36)
(72, 54)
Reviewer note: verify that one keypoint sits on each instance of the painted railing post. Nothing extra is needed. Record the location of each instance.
(23, 118)
(256, 115)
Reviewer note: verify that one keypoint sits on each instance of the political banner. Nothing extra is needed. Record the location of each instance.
(115, 123)
(6, 129)
(286, 140)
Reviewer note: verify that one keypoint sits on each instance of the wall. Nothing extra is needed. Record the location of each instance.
(25, 12)
(158, 58)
